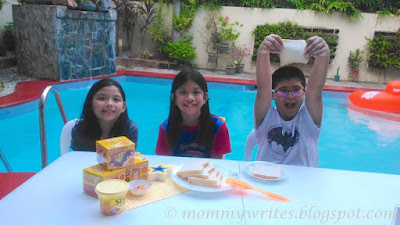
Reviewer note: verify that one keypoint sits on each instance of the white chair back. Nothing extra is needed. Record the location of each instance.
(251, 142)
(65, 137)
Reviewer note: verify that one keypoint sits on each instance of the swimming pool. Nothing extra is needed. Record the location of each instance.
(349, 140)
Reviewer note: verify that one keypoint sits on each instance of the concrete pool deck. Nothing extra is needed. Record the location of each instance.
(21, 89)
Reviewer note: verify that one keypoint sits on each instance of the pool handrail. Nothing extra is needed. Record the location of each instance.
(5, 162)
(42, 124)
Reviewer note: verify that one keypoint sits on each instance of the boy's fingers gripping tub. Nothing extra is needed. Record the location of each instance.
(111, 194)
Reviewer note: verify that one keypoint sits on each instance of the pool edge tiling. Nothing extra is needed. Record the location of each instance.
(31, 90)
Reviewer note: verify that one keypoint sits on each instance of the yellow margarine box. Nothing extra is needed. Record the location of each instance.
(96, 174)
(117, 152)
(139, 170)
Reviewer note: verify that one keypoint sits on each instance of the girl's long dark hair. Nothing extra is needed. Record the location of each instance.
(206, 136)
(89, 124)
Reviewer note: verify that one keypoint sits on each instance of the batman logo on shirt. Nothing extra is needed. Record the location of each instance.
(281, 141)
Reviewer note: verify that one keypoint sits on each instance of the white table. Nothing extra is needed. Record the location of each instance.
(54, 196)
(346, 197)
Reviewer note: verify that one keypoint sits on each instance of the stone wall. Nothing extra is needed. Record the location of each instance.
(60, 44)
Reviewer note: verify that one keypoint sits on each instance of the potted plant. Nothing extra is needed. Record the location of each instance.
(239, 52)
(355, 58)
(212, 25)
(230, 69)
(337, 77)
(213, 30)
(212, 57)
(228, 34)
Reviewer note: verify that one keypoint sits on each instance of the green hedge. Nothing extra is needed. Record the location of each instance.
(351, 8)
(384, 50)
(290, 30)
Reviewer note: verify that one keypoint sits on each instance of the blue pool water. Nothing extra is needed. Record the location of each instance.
(349, 140)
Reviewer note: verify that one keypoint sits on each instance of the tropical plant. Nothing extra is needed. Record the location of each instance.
(2, 2)
(209, 5)
(260, 4)
(9, 36)
(158, 29)
(321, 6)
(329, 6)
(373, 6)
(291, 30)
(384, 51)
(212, 33)
(181, 52)
(354, 59)
(239, 53)
(127, 17)
(384, 12)
(228, 30)
(213, 22)
(148, 13)
(184, 21)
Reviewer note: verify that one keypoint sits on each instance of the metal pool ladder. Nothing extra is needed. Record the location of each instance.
(5, 162)
(42, 122)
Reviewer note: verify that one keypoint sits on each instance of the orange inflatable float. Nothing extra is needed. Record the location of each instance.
(388, 100)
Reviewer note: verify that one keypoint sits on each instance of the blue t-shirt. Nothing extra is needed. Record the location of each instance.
(82, 142)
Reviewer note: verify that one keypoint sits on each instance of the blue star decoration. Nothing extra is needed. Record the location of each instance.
(159, 172)
(159, 168)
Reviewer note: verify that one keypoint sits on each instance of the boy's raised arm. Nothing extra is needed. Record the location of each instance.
(272, 43)
(316, 47)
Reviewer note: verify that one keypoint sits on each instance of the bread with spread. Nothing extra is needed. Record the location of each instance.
(201, 173)
(267, 171)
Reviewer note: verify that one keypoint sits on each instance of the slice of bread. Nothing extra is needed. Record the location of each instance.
(214, 180)
(204, 182)
(267, 172)
(215, 176)
(293, 52)
(193, 167)
(200, 172)
(205, 174)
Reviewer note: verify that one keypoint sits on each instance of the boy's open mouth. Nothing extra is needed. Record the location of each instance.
(290, 105)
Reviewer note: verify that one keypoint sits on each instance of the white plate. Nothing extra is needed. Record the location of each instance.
(250, 166)
(185, 184)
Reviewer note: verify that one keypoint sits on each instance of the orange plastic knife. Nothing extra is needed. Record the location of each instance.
(244, 185)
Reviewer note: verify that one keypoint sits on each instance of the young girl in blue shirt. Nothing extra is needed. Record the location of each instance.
(104, 115)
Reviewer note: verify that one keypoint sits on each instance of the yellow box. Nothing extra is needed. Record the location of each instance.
(138, 171)
(96, 174)
(114, 153)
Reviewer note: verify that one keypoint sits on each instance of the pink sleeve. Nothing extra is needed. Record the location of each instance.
(222, 144)
(162, 147)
